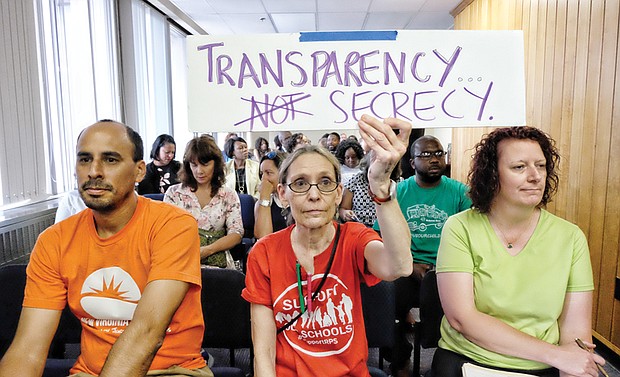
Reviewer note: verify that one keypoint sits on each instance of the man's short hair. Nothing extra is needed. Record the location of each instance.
(136, 140)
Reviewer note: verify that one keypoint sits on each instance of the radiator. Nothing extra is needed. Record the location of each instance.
(18, 235)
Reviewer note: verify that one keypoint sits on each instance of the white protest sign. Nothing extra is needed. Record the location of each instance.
(326, 81)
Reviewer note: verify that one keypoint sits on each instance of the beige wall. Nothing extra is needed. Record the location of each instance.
(572, 63)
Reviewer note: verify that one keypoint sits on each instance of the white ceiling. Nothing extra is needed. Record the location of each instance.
(290, 16)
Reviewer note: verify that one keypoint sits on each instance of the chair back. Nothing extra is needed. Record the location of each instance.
(378, 305)
(13, 283)
(247, 214)
(431, 311)
(159, 197)
(226, 313)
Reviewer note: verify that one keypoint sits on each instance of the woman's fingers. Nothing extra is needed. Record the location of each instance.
(380, 136)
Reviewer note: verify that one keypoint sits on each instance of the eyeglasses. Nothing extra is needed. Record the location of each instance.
(325, 185)
(429, 155)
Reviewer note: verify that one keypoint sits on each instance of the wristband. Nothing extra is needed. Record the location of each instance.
(383, 200)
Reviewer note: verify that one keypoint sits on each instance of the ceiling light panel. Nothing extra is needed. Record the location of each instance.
(249, 23)
(289, 6)
(294, 22)
(343, 5)
(341, 21)
(396, 5)
(387, 21)
(237, 6)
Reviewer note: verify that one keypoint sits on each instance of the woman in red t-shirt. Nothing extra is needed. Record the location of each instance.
(303, 281)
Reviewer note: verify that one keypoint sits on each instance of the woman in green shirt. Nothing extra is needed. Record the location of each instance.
(515, 281)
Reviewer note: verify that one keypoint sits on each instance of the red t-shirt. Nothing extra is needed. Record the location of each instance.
(331, 340)
(102, 280)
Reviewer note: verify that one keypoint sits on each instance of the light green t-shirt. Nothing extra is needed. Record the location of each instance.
(525, 291)
(426, 210)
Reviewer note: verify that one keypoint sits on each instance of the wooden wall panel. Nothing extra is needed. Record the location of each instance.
(572, 67)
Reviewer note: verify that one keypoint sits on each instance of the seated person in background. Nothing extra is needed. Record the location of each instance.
(261, 148)
(515, 281)
(161, 173)
(69, 205)
(146, 249)
(349, 153)
(323, 140)
(333, 139)
(297, 140)
(268, 217)
(241, 173)
(281, 139)
(228, 136)
(303, 282)
(426, 200)
(215, 207)
(357, 205)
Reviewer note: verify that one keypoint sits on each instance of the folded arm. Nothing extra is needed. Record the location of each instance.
(225, 243)
(457, 298)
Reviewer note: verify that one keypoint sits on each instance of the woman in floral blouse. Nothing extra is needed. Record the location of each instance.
(203, 194)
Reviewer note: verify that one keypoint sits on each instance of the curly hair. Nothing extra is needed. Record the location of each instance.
(483, 177)
(202, 149)
(292, 142)
(344, 146)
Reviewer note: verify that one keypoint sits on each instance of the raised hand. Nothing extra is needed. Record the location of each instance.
(386, 146)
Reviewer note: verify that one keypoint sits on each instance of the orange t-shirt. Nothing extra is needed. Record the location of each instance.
(103, 279)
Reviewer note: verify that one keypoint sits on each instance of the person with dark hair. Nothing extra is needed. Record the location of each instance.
(303, 282)
(161, 173)
(323, 140)
(297, 140)
(268, 210)
(215, 207)
(357, 205)
(515, 281)
(333, 139)
(349, 153)
(426, 200)
(127, 268)
(241, 173)
(261, 148)
(226, 138)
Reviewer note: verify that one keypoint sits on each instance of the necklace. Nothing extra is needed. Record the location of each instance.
(240, 173)
(510, 244)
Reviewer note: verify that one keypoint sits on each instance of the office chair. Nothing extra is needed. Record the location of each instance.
(427, 333)
(13, 283)
(378, 306)
(239, 252)
(159, 197)
(226, 314)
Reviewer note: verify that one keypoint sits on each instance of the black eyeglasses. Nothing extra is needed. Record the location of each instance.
(325, 185)
(429, 155)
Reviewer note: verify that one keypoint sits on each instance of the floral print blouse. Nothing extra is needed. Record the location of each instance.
(222, 212)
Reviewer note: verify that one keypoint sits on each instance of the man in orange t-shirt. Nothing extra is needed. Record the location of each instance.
(128, 268)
